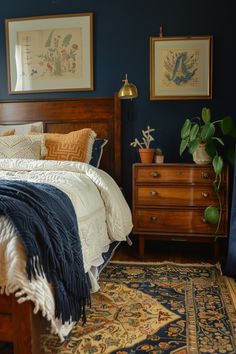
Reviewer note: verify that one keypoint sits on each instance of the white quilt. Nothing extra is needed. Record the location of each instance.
(102, 213)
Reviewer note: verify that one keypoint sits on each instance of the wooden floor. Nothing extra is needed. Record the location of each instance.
(179, 252)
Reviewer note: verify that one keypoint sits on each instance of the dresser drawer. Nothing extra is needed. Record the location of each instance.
(185, 221)
(158, 194)
(175, 174)
(169, 201)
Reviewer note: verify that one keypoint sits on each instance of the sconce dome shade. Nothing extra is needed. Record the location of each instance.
(128, 91)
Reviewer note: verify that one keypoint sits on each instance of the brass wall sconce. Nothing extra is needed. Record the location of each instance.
(128, 91)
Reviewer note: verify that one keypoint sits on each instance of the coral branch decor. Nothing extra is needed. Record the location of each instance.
(146, 153)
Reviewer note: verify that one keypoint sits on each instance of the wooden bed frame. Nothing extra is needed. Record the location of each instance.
(18, 324)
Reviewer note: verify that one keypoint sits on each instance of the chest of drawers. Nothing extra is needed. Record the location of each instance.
(169, 202)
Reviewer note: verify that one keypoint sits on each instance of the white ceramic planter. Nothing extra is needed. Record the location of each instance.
(200, 156)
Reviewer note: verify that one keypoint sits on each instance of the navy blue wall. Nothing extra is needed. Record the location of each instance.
(122, 30)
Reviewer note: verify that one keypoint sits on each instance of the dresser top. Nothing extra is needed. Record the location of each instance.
(172, 164)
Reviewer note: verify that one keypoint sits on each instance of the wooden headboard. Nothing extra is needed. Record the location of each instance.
(103, 115)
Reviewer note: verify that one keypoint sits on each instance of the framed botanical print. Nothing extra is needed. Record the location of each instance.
(50, 53)
(181, 68)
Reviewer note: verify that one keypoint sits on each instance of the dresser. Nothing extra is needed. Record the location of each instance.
(168, 203)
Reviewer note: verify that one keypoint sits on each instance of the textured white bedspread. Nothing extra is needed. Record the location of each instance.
(102, 214)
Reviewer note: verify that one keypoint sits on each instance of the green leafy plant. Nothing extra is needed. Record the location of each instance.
(147, 138)
(158, 152)
(218, 136)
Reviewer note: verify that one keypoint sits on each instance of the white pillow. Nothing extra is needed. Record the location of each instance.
(21, 129)
(22, 147)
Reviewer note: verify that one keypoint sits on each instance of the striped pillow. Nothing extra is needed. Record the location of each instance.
(22, 147)
(74, 146)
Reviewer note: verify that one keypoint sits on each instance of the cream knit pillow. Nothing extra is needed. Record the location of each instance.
(23, 129)
(22, 147)
(7, 132)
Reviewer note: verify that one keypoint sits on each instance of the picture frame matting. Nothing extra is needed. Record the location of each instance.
(181, 68)
(50, 53)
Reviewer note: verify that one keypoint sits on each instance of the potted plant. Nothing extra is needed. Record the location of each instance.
(159, 157)
(208, 142)
(146, 153)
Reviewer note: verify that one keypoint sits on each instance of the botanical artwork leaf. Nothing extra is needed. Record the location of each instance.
(49, 40)
(180, 66)
(50, 54)
(66, 40)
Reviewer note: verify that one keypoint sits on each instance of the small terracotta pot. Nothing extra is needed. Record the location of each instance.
(146, 155)
(159, 158)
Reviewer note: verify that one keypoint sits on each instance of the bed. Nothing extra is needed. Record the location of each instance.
(18, 324)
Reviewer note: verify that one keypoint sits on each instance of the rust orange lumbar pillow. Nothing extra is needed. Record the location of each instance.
(74, 146)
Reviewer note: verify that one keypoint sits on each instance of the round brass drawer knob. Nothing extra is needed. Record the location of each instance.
(155, 174)
(205, 175)
(205, 195)
(154, 193)
(153, 218)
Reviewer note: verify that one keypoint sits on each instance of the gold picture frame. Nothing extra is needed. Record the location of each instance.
(50, 53)
(181, 68)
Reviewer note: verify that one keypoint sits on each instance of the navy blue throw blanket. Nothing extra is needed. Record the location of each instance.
(46, 223)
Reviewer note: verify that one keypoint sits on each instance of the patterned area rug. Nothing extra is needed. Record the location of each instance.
(156, 308)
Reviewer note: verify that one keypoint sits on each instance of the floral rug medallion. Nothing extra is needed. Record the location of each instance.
(157, 309)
